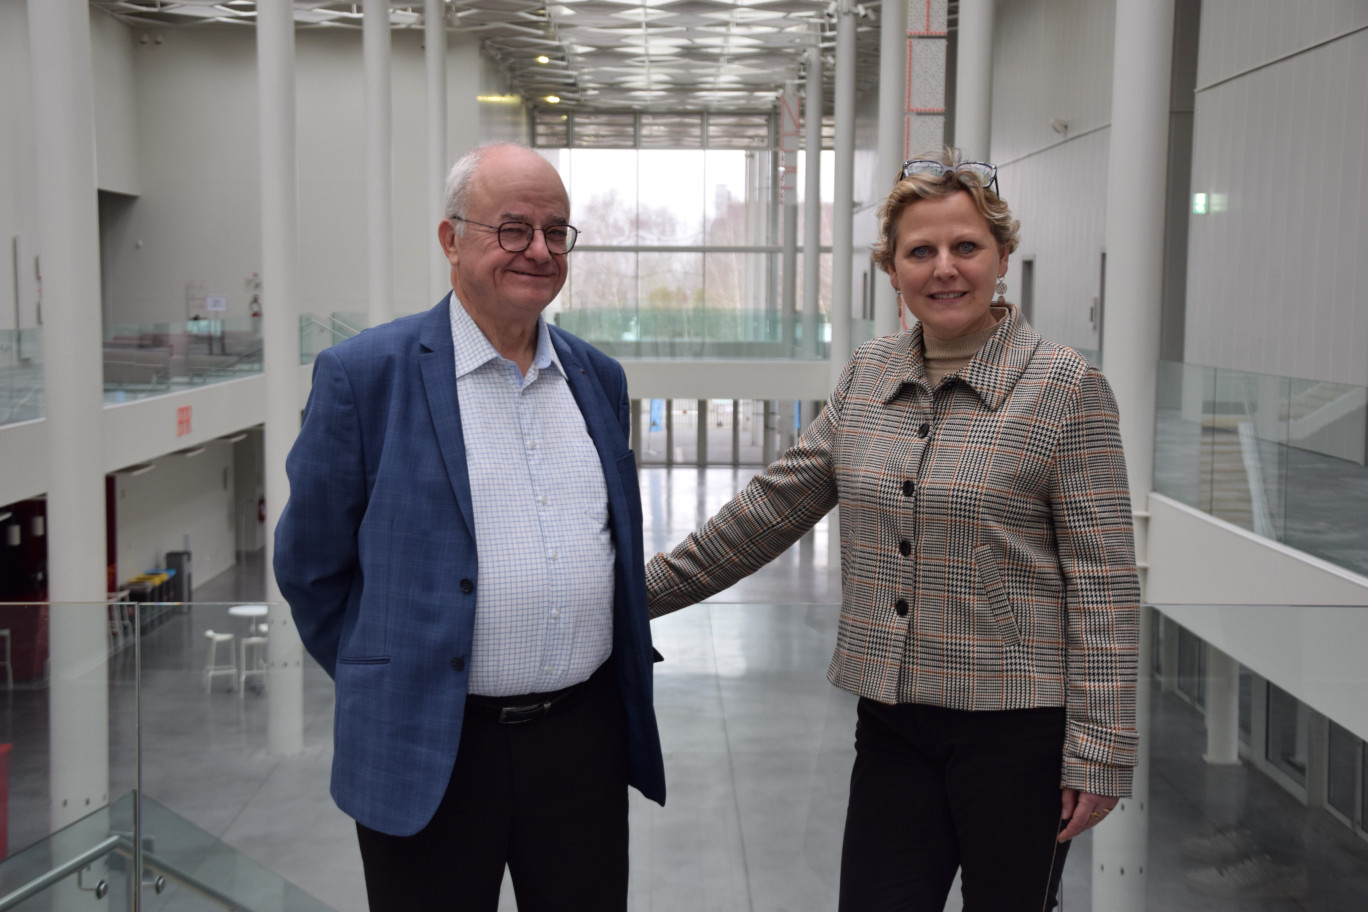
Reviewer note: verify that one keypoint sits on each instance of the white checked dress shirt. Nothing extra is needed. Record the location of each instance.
(544, 604)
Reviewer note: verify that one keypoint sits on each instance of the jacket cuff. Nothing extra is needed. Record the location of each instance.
(1099, 760)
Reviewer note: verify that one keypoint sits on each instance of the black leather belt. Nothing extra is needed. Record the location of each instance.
(527, 707)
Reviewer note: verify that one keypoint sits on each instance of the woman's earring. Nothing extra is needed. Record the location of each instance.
(1001, 290)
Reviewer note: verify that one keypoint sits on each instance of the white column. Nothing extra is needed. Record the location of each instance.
(434, 55)
(280, 334)
(843, 215)
(69, 244)
(379, 163)
(812, 196)
(1137, 170)
(974, 79)
(892, 135)
(789, 129)
(1222, 708)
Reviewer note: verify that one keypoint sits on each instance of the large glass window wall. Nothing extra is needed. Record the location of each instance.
(679, 256)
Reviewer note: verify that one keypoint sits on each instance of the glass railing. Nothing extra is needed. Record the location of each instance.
(758, 753)
(317, 332)
(135, 757)
(21, 375)
(1284, 458)
(695, 333)
(149, 359)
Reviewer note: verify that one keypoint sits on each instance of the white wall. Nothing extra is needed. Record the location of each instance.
(198, 215)
(1053, 61)
(116, 128)
(182, 498)
(18, 168)
(1275, 278)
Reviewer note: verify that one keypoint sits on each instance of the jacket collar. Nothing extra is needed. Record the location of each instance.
(991, 373)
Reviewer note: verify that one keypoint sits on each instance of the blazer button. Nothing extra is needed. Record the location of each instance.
(908, 487)
(924, 429)
(901, 607)
(458, 663)
(904, 547)
(467, 586)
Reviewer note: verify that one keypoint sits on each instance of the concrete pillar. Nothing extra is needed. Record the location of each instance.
(280, 352)
(843, 216)
(1142, 59)
(892, 136)
(974, 79)
(669, 433)
(434, 56)
(1222, 708)
(736, 433)
(812, 198)
(789, 128)
(638, 439)
(767, 448)
(702, 433)
(69, 245)
(379, 163)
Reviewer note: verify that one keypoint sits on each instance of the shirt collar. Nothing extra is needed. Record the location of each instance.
(474, 350)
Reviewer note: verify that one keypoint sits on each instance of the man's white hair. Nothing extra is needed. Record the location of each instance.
(456, 194)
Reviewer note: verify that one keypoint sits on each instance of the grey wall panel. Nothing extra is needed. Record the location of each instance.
(1275, 268)
(1238, 35)
(1052, 60)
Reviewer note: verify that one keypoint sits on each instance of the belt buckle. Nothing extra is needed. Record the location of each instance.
(517, 715)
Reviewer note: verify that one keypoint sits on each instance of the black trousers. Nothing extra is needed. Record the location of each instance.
(547, 798)
(934, 790)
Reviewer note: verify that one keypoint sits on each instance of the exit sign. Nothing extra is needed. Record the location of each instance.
(182, 421)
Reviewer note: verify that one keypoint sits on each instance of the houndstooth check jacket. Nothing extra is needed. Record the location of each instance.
(987, 559)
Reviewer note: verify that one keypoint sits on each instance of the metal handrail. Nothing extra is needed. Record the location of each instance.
(60, 872)
(120, 845)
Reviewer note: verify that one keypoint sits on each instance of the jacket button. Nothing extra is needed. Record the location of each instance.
(458, 663)
(908, 487)
(467, 586)
(904, 547)
(901, 607)
(924, 429)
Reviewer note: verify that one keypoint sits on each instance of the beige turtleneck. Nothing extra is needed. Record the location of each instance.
(944, 357)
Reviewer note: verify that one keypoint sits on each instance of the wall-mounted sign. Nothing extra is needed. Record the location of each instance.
(182, 421)
(215, 302)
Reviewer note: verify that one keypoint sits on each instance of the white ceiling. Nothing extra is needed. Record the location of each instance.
(601, 55)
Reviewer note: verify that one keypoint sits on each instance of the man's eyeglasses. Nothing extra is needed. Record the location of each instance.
(986, 173)
(515, 237)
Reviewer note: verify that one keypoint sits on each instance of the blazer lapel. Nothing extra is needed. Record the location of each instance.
(437, 363)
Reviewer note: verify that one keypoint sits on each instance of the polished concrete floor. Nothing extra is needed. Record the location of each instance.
(758, 749)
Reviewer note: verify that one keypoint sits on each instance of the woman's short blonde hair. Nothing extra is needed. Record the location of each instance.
(923, 186)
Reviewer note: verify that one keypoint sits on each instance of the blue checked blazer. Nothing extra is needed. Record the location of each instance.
(375, 552)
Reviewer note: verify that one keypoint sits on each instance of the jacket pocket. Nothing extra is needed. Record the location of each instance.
(995, 593)
(363, 660)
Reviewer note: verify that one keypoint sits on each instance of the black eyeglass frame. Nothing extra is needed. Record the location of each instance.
(991, 183)
(571, 238)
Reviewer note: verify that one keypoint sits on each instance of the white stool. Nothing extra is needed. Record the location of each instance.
(211, 663)
(253, 658)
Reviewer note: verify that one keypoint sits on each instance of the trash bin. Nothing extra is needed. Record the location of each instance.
(181, 588)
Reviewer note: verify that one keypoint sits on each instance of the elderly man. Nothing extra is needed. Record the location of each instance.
(462, 554)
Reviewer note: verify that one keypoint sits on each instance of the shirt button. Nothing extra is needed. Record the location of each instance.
(924, 429)
(901, 607)
(532, 444)
(467, 586)
(555, 612)
(543, 500)
(554, 554)
(907, 488)
(458, 663)
(904, 547)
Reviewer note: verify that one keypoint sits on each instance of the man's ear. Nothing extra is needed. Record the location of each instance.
(447, 238)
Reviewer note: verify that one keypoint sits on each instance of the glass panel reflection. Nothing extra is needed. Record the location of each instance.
(21, 375)
(1287, 734)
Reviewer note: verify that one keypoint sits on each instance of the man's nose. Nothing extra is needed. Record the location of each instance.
(537, 250)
